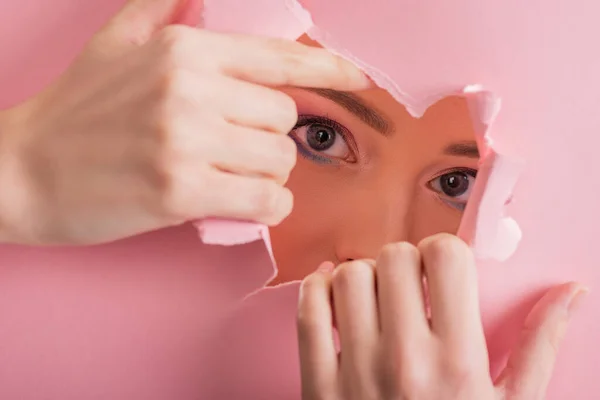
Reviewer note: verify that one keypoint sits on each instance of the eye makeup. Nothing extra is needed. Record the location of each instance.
(453, 201)
(311, 155)
(318, 156)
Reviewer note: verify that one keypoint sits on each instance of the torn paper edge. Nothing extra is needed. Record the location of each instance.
(221, 232)
(484, 226)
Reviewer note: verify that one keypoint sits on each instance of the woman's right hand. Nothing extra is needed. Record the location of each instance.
(155, 124)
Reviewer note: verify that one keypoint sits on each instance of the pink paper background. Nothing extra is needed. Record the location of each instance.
(130, 320)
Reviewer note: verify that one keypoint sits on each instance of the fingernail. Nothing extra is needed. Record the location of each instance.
(576, 300)
(326, 266)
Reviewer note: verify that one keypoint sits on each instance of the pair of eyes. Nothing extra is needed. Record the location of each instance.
(325, 141)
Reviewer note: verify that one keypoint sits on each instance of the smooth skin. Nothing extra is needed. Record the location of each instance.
(145, 131)
(393, 347)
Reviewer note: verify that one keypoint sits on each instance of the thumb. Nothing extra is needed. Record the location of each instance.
(530, 365)
(138, 20)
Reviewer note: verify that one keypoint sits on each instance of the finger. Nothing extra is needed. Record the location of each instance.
(355, 310)
(220, 194)
(401, 299)
(530, 366)
(268, 61)
(278, 62)
(252, 152)
(452, 284)
(318, 357)
(138, 20)
(254, 106)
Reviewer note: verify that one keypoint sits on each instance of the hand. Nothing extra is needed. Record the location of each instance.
(390, 349)
(155, 124)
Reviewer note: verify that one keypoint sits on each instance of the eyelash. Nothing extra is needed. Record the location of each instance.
(345, 135)
(445, 198)
(348, 138)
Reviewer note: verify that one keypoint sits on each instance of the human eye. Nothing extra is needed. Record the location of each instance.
(454, 186)
(323, 140)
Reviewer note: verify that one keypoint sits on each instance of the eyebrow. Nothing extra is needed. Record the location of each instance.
(355, 105)
(376, 120)
(462, 149)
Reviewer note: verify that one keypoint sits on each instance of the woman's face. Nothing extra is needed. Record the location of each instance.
(368, 174)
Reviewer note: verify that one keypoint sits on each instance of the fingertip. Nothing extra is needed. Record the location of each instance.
(360, 80)
(576, 295)
(530, 366)
(356, 78)
(318, 281)
(558, 305)
(563, 295)
(326, 267)
(438, 249)
(283, 207)
(364, 81)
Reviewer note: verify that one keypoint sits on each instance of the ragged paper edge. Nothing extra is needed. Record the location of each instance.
(484, 225)
(491, 234)
(220, 232)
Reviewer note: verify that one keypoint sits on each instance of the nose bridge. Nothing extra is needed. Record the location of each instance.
(383, 215)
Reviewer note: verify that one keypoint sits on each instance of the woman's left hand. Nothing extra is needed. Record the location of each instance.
(390, 348)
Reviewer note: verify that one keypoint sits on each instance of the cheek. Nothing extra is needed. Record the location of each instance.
(433, 217)
(305, 239)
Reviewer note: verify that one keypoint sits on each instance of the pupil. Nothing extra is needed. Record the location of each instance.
(455, 184)
(320, 137)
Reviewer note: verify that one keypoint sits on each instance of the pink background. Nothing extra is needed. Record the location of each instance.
(130, 320)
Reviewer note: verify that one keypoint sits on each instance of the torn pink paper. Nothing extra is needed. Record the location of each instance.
(238, 22)
(127, 320)
(138, 318)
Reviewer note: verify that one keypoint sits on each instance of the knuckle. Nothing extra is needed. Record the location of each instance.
(172, 36)
(172, 42)
(444, 246)
(178, 45)
(160, 168)
(169, 96)
(312, 283)
(287, 150)
(393, 251)
(282, 207)
(174, 82)
(179, 201)
(349, 273)
(309, 287)
(459, 371)
(265, 199)
(287, 112)
(165, 126)
(415, 381)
